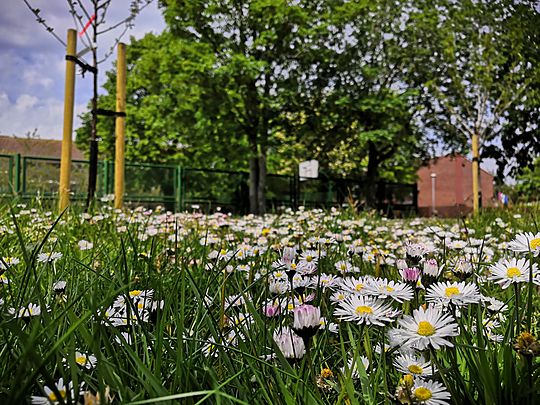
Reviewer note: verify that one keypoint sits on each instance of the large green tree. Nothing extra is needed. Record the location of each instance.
(475, 64)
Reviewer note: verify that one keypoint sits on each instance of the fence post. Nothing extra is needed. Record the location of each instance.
(105, 178)
(17, 181)
(120, 127)
(179, 194)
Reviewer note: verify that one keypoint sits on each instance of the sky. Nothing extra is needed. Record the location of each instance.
(32, 64)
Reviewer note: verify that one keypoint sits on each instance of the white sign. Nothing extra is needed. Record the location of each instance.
(308, 169)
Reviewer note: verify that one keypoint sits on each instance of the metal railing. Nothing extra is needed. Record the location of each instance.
(180, 188)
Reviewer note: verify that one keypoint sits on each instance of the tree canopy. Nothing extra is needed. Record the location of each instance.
(367, 88)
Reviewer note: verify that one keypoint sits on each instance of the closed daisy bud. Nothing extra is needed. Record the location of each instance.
(289, 343)
(307, 320)
(431, 268)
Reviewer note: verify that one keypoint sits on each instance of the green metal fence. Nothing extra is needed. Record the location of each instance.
(180, 188)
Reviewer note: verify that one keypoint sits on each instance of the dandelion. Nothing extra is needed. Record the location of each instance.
(425, 328)
(456, 293)
(363, 309)
(429, 393)
(525, 242)
(512, 271)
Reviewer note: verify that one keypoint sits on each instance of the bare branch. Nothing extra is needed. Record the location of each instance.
(40, 20)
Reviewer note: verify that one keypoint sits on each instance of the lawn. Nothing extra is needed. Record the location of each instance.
(305, 307)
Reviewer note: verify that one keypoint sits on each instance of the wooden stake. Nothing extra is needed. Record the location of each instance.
(475, 174)
(69, 100)
(120, 127)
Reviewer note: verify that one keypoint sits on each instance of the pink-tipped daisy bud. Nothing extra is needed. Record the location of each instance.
(307, 320)
(289, 343)
(401, 264)
(271, 310)
(431, 268)
(410, 274)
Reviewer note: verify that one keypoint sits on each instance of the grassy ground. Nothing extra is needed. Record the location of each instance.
(190, 308)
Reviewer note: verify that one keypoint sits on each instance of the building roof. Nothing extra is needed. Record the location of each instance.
(36, 147)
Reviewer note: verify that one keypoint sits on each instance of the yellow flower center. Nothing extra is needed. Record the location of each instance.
(451, 291)
(265, 231)
(135, 293)
(423, 393)
(389, 289)
(535, 243)
(363, 309)
(222, 252)
(513, 272)
(80, 360)
(309, 258)
(359, 287)
(425, 328)
(52, 395)
(413, 368)
(293, 266)
(279, 274)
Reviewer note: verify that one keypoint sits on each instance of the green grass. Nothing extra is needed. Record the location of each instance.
(190, 349)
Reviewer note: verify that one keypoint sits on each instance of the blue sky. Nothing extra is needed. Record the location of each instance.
(32, 65)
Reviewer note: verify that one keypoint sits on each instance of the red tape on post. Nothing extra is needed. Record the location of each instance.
(87, 25)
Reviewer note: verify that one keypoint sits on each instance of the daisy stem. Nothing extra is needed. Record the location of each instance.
(516, 308)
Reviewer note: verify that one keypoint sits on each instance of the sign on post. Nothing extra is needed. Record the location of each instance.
(308, 169)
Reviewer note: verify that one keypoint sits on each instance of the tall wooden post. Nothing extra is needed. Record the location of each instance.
(69, 100)
(120, 127)
(475, 174)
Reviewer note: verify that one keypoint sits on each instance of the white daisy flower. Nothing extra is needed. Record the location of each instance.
(509, 271)
(383, 288)
(85, 245)
(49, 257)
(526, 242)
(456, 293)
(88, 361)
(415, 365)
(426, 327)
(429, 393)
(51, 397)
(364, 309)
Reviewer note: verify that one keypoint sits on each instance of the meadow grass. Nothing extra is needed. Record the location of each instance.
(190, 308)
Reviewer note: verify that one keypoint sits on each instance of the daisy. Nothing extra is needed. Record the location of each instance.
(289, 343)
(85, 245)
(457, 293)
(49, 257)
(51, 397)
(429, 393)
(383, 288)
(363, 309)
(426, 327)
(354, 366)
(25, 312)
(7, 262)
(355, 285)
(87, 361)
(411, 364)
(511, 271)
(526, 242)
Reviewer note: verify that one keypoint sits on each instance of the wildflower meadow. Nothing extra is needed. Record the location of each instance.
(302, 307)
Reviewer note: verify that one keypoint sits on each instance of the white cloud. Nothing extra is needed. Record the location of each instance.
(32, 65)
(28, 113)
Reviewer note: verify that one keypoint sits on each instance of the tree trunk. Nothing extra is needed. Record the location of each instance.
(372, 176)
(253, 175)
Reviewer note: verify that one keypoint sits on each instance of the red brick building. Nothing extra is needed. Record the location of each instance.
(453, 191)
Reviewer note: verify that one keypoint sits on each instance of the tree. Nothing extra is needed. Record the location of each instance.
(472, 68)
(259, 47)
